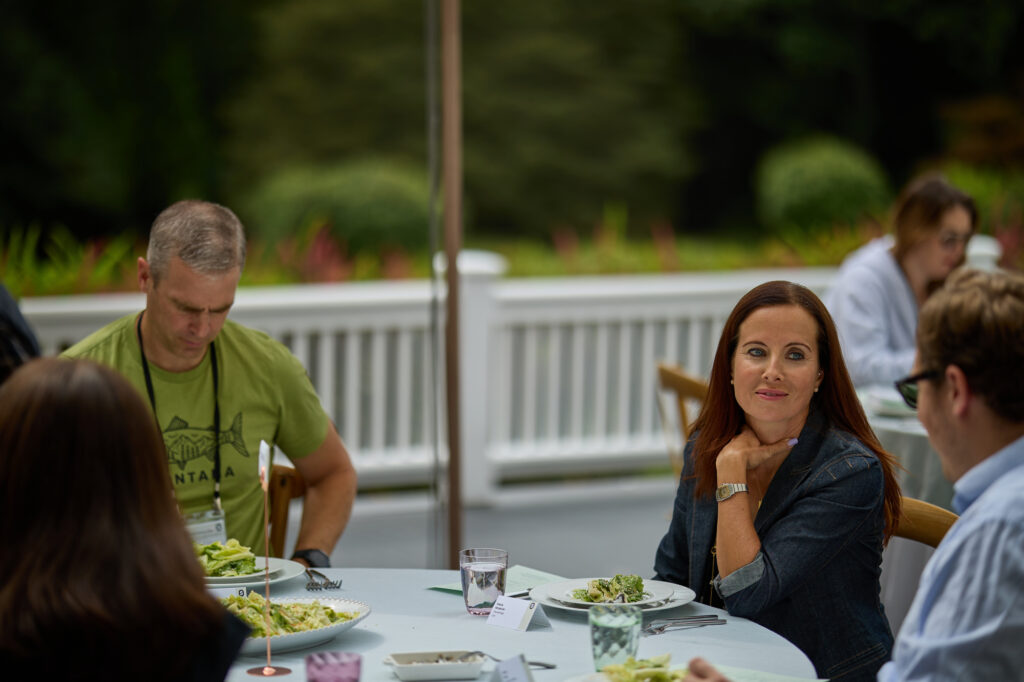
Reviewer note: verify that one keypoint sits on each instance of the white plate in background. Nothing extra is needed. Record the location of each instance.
(280, 569)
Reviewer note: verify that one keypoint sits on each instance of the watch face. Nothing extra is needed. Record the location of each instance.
(727, 490)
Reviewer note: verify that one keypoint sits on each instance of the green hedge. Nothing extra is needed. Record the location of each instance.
(998, 193)
(818, 182)
(367, 205)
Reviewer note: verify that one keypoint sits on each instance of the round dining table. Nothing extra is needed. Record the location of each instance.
(408, 616)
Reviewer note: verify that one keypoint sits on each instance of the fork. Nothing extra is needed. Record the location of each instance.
(324, 583)
(657, 627)
(538, 664)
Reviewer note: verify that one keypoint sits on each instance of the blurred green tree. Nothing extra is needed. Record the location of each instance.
(566, 105)
(109, 109)
(872, 73)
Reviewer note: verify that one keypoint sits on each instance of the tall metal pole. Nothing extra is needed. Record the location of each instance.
(451, 144)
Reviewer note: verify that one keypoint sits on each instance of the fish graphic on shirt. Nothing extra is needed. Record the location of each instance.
(185, 443)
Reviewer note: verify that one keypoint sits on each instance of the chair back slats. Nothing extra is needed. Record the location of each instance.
(686, 388)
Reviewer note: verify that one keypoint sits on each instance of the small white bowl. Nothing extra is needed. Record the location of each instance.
(434, 665)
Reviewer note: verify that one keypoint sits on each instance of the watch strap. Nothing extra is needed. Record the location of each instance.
(314, 557)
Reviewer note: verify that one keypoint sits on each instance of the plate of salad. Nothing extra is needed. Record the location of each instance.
(295, 623)
(233, 564)
(653, 669)
(628, 589)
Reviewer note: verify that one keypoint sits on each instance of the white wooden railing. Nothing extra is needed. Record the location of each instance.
(558, 375)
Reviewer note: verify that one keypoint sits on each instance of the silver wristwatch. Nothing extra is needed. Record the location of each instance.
(727, 490)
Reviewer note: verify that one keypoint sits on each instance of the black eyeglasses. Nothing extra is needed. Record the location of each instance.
(907, 386)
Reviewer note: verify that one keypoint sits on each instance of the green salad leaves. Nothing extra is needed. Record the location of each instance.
(224, 560)
(653, 669)
(603, 590)
(285, 618)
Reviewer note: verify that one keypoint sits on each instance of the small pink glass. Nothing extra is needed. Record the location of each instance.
(333, 666)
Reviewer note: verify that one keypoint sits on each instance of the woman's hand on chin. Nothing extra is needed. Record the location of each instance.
(745, 452)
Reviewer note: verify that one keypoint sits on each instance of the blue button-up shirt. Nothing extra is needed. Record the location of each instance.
(967, 619)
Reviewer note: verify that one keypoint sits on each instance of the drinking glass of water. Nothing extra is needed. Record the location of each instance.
(614, 632)
(483, 578)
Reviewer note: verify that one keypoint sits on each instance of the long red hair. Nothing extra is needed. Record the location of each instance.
(721, 418)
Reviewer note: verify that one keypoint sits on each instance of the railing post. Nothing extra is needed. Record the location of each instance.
(479, 271)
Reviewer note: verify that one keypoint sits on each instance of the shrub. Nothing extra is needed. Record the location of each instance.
(38, 262)
(366, 205)
(818, 182)
(998, 194)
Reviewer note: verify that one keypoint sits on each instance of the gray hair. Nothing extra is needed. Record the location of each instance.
(207, 237)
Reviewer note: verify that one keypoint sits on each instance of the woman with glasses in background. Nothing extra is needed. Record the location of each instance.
(881, 286)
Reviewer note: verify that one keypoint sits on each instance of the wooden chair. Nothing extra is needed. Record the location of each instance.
(686, 388)
(286, 483)
(924, 522)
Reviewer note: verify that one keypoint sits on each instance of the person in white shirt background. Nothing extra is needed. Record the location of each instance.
(881, 286)
(967, 619)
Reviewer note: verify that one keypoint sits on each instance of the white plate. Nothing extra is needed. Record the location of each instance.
(679, 596)
(302, 640)
(280, 569)
(885, 401)
(654, 592)
(423, 665)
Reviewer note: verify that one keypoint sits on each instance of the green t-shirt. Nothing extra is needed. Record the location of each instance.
(264, 394)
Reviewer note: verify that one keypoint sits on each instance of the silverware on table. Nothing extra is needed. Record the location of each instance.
(319, 581)
(532, 664)
(660, 625)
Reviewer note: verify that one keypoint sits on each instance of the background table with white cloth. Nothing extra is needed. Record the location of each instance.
(408, 616)
(902, 434)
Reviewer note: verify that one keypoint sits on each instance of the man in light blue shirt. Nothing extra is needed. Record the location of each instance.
(967, 619)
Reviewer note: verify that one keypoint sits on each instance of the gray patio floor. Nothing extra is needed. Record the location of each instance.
(573, 530)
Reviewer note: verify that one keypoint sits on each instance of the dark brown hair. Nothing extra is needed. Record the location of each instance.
(976, 322)
(920, 209)
(98, 568)
(722, 418)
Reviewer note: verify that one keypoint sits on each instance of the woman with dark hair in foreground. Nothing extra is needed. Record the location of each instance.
(786, 496)
(99, 579)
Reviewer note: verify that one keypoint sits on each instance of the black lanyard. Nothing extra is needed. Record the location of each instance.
(216, 408)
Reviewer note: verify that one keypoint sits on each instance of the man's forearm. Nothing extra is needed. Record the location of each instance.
(326, 511)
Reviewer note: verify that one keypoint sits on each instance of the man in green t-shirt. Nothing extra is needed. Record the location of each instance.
(217, 388)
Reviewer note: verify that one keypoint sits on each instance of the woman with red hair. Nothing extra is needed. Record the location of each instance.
(786, 497)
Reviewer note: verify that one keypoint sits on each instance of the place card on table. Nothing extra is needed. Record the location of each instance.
(517, 614)
(512, 670)
(221, 592)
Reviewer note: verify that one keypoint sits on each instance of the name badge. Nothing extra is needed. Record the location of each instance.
(207, 526)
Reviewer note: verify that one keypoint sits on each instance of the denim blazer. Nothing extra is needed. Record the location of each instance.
(816, 579)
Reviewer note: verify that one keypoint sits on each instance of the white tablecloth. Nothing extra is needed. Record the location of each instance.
(407, 616)
(904, 560)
